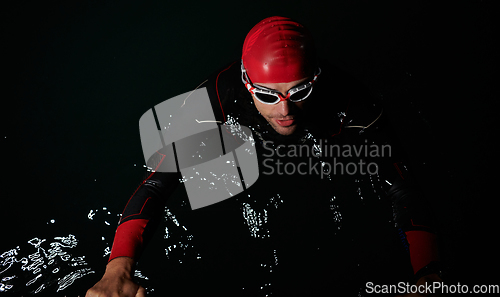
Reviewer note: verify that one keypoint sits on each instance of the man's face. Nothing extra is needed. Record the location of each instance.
(283, 116)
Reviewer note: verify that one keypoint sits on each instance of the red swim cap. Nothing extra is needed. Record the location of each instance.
(278, 50)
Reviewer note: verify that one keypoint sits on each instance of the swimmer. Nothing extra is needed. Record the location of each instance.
(281, 91)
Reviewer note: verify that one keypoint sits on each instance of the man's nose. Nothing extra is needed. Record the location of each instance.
(284, 107)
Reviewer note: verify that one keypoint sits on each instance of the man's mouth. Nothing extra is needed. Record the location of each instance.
(285, 123)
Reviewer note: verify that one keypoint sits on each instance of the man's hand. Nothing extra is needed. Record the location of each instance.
(117, 281)
(421, 282)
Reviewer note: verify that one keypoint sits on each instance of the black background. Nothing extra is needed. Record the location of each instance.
(78, 75)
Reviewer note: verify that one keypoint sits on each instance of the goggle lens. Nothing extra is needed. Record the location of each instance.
(266, 98)
(301, 95)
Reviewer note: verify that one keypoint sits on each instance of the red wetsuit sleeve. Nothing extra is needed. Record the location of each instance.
(143, 212)
(422, 247)
(413, 216)
(128, 239)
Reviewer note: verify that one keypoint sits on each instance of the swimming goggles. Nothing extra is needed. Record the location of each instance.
(270, 96)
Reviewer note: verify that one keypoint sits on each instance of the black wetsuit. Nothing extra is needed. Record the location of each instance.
(292, 234)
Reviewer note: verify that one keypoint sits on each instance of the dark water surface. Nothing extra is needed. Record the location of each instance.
(80, 75)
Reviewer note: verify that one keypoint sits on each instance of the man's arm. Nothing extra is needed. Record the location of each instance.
(412, 212)
(139, 219)
(413, 216)
(142, 214)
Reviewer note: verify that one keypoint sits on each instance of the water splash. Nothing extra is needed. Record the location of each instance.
(179, 240)
(41, 263)
(52, 264)
(256, 221)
